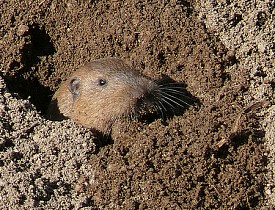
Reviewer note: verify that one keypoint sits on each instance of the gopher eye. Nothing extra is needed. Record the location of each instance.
(102, 82)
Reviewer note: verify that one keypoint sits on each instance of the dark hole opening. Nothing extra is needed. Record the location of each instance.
(39, 95)
(26, 81)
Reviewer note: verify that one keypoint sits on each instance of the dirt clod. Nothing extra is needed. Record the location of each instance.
(222, 50)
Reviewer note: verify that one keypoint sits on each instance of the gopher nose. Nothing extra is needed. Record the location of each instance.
(137, 92)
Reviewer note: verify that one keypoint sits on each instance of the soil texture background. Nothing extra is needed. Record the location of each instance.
(218, 155)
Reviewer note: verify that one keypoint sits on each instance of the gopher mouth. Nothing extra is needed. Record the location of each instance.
(146, 104)
(164, 100)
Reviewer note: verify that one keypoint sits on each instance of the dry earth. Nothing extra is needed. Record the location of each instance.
(219, 155)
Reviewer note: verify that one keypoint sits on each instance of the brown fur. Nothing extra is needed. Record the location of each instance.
(98, 107)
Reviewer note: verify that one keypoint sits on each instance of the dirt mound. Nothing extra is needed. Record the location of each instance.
(216, 155)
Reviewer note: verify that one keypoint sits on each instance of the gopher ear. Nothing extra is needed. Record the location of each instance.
(74, 86)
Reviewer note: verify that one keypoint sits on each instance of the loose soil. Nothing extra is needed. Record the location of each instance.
(216, 155)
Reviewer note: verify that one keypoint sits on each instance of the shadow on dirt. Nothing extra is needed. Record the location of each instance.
(25, 81)
(173, 99)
